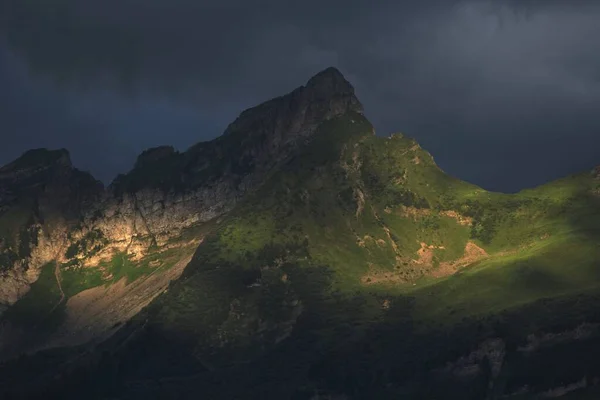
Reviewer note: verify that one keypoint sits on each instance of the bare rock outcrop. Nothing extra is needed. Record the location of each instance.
(47, 205)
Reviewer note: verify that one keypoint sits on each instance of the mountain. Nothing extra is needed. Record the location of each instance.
(153, 216)
(296, 256)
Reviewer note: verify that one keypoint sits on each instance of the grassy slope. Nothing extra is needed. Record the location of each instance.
(548, 248)
(43, 307)
(542, 242)
(300, 235)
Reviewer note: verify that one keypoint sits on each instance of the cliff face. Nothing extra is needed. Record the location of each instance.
(42, 199)
(49, 209)
(167, 191)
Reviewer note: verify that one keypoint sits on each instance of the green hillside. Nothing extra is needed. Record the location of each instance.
(385, 219)
(359, 268)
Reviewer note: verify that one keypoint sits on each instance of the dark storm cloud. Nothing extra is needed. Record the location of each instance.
(503, 93)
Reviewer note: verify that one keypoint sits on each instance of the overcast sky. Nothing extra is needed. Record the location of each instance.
(504, 94)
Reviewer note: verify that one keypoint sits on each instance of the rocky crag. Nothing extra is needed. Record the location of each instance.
(52, 212)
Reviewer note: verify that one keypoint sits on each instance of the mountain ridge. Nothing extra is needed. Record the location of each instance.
(164, 195)
(348, 265)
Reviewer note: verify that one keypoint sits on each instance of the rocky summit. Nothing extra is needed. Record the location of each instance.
(297, 256)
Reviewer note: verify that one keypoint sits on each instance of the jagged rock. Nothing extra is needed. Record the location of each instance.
(43, 199)
(292, 117)
(166, 191)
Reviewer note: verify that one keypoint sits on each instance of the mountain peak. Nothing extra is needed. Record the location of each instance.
(46, 171)
(297, 114)
(39, 158)
(330, 83)
(330, 74)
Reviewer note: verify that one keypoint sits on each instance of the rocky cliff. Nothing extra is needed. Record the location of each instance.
(169, 191)
(43, 198)
(52, 212)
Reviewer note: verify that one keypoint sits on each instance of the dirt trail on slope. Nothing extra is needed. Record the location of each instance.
(58, 277)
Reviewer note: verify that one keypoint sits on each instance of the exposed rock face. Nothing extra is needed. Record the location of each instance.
(294, 116)
(42, 200)
(169, 191)
(165, 193)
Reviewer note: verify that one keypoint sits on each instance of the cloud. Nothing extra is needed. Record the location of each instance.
(495, 89)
